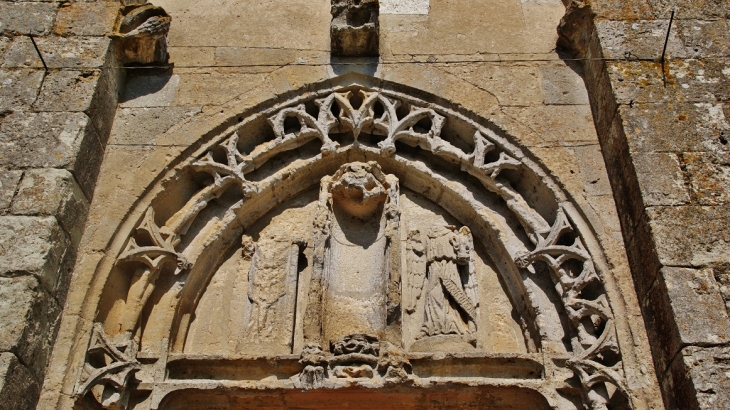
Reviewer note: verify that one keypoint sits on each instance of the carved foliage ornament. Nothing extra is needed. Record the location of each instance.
(392, 118)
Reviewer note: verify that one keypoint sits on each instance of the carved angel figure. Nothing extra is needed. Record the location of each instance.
(449, 283)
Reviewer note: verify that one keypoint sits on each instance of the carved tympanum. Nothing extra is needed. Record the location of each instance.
(348, 294)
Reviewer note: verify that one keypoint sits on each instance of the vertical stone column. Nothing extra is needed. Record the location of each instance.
(53, 128)
(664, 133)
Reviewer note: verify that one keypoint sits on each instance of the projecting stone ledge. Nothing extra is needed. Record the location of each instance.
(354, 29)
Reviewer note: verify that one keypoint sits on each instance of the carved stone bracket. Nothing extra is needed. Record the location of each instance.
(354, 28)
(108, 368)
(142, 34)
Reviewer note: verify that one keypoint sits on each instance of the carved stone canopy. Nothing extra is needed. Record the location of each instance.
(358, 237)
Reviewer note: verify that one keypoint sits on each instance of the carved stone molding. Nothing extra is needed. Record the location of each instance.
(108, 369)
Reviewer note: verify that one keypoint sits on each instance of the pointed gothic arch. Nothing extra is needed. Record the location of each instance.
(179, 233)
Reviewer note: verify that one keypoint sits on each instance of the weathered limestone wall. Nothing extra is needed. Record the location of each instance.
(54, 124)
(664, 133)
(494, 58)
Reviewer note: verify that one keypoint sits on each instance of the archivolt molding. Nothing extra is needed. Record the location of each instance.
(373, 123)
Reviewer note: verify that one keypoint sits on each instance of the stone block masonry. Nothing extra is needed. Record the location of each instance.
(664, 131)
(661, 127)
(53, 128)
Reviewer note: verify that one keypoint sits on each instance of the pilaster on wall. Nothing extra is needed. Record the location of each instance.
(55, 116)
(664, 132)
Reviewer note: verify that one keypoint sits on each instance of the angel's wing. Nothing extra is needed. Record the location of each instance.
(416, 269)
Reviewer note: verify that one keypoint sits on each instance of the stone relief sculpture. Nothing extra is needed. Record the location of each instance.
(109, 367)
(353, 299)
(151, 248)
(354, 30)
(450, 285)
(356, 223)
(272, 289)
(355, 356)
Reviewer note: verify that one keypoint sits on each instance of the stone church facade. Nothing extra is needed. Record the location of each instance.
(508, 204)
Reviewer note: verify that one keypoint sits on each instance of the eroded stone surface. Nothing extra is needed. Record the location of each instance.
(355, 28)
(28, 329)
(53, 192)
(8, 186)
(24, 18)
(530, 107)
(19, 88)
(32, 245)
(18, 389)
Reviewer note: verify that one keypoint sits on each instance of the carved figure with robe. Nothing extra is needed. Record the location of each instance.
(449, 284)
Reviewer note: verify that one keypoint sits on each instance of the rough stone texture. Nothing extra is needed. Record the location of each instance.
(19, 88)
(691, 235)
(53, 124)
(18, 389)
(67, 90)
(28, 329)
(684, 304)
(699, 378)
(8, 186)
(25, 18)
(53, 192)
(80, 52)
(57, 140)
(32, 245)
(663, 129)
(86, 18)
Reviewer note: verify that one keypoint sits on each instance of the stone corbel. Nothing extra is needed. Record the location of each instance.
(142, 34)
(354, 31)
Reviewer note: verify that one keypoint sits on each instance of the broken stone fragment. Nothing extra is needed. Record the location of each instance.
(142, 35)
(354, 29)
